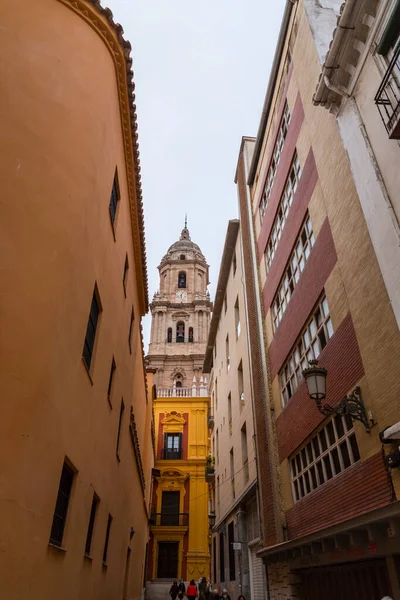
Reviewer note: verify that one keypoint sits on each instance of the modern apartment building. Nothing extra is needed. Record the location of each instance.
(76, 449)
(315, 292)
(236, 532)
(179, 544)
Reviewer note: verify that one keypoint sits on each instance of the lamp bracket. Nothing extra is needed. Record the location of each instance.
(350, 405)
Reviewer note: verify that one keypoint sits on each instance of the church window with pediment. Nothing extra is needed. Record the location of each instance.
(172, 446)
(180, 332)
(181, 279)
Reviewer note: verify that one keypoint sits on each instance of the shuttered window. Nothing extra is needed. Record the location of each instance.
(62, 503)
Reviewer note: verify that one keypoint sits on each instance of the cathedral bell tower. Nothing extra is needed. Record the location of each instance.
(180, 320)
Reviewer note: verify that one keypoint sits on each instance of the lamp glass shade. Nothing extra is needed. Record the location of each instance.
(212, 516)
(316, 382)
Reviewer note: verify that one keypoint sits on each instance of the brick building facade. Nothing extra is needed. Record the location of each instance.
(315, 291)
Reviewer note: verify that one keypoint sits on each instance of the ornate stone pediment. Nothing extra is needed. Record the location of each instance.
(180, 314)
(173, 423)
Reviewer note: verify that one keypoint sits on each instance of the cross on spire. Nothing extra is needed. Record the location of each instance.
(185, 220)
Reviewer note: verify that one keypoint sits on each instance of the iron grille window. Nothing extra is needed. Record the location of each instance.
(121, 414)
(62, 503)
(221, 558)
(283, 211)
(231, 539)
(111, 379)
(91, 330)
(130, 330)
(332, 450)
(107, 539)
(295, 266)
(114, 199)
(172, 446)
(125, 275)
(92, 517)
(276, 155)
(312, 340)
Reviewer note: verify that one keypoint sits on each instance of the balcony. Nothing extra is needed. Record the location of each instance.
(171, 454)
(210, 473)
(175, 392)
(169, 520)
(387, 97)
(210, 419)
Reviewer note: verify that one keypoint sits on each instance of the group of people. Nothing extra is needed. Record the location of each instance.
(203, 591)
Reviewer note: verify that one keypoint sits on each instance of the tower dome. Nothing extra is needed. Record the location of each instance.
(184, 246)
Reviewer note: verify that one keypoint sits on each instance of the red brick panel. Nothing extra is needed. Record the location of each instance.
(360, 489)
(160, 440)
(281, 173)
(341, 357)
(275, 135)
(185, 440)
(318, 267)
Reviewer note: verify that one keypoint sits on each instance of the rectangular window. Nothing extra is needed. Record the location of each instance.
(221, 558)
(62, 503)
(217, 457)
(245, 456)
(295, 266)
(90, 336)
(231, 539)
(237, 318)
(232, 467)
(130, 330)
(172, 446)
(282, 211)
(121, 414)
(228, 359)
(218, 493)
(225, 303)
(234, 263)
(125, 275)
(114, 198)
(310, 343)
(111, 379)
(332, 450)
(276, 155)
(240, 386)
(230, 413)
(216, 394)
(107, 539)
(92, 517)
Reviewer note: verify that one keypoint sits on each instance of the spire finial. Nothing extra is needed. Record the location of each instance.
(185, 220)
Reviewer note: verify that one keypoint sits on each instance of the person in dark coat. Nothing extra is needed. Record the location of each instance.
(181, 588)
(174, 589)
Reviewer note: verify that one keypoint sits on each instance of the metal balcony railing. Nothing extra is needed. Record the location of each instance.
(387, 97)
(171, 454)
(170, 520)
(210, 419)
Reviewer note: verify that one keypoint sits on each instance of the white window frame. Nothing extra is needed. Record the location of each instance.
(282, 211)
(294, 267)
(308, 346)
(314, 464)
(276, 156)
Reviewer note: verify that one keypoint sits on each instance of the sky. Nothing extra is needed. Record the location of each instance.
(201, 71)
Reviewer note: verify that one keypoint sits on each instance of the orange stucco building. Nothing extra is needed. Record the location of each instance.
(76, 448)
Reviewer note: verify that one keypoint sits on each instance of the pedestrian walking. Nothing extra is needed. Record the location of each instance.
(215, 594)
(174, 589)
(203, 589)
(225, 594)
(181, 589)
(191, 592)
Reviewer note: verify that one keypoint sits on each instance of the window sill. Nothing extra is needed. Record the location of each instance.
(109, 401)
(104, 566)
(87, 557)
(58, 548)
(87, 370)
(118, 458)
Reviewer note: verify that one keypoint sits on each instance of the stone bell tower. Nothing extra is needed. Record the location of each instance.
(180, 320)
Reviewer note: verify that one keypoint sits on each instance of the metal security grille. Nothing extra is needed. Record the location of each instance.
(88, 544)
(114, 198)
(91, 330)
(61, 510)
(367, 580)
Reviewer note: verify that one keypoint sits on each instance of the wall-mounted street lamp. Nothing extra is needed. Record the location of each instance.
(315, 378)
(211, 519)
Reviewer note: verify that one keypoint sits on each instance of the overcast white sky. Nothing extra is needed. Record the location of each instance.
(201, 73)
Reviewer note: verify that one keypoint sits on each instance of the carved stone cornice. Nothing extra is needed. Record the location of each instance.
(101, 21)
